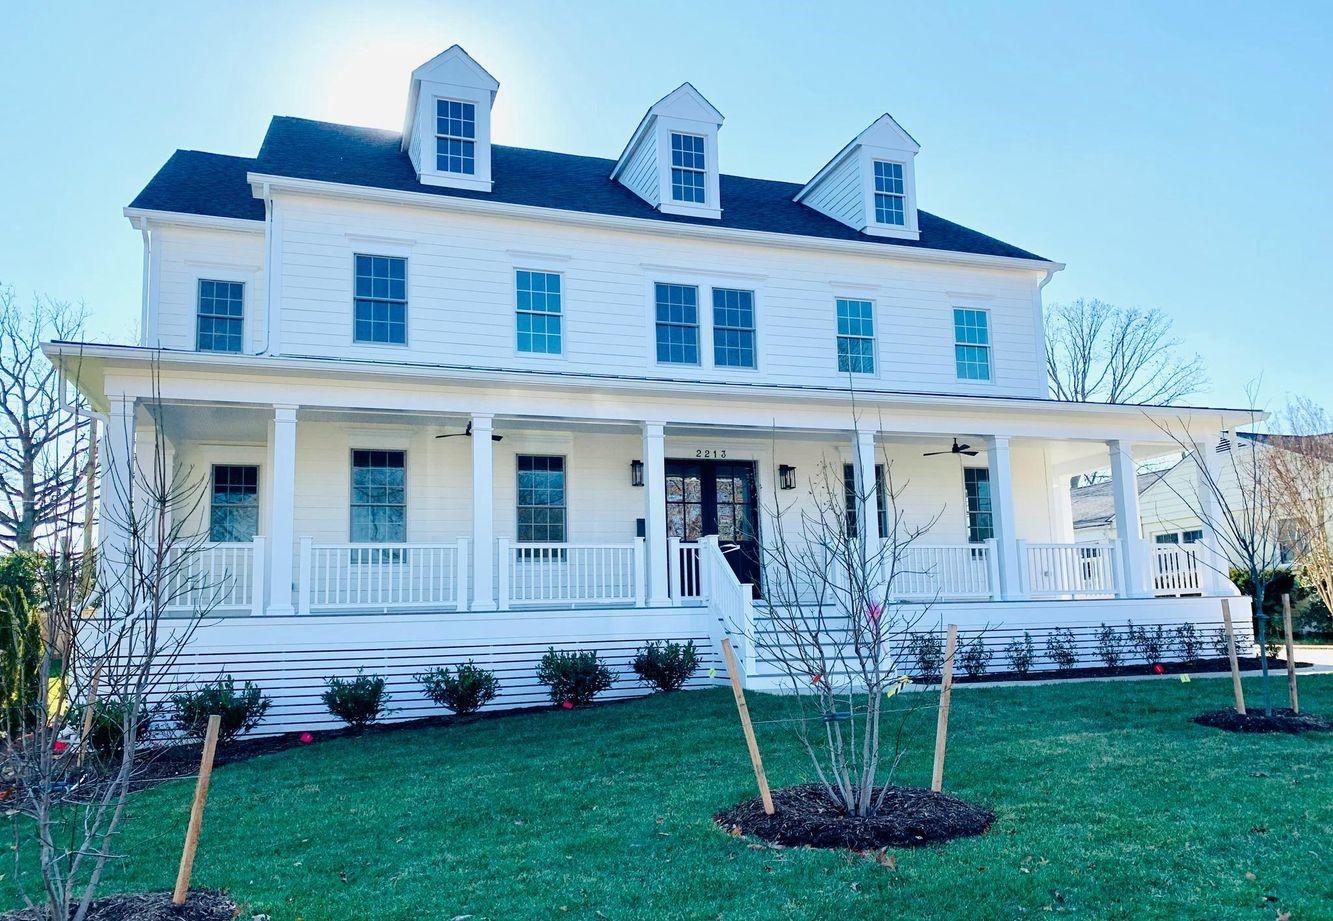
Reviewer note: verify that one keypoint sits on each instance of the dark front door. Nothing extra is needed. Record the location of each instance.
(716, 497)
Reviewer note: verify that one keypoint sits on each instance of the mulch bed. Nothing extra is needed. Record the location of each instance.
(805, 816)
(200, 905)
(1282, 720)
(1192, 667)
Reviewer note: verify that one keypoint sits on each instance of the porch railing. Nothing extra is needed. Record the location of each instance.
(1080, 570)
(945, 571)
(1175, 570)
(557, 574)
(381, 576)
(730, 599)
(684, 578)
(223, 577)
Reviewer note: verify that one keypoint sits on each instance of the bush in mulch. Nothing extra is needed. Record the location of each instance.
(200, 905)
(804, 815)
(1282, 720)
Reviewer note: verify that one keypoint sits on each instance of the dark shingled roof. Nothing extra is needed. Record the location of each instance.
(210, 184)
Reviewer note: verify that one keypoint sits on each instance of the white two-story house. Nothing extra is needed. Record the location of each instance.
(457, 396)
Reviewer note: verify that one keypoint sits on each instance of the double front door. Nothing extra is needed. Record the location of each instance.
(706, 497)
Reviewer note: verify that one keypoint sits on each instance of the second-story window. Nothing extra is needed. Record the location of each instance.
(538, 311)
(971, 336)
(856, 336)
(890, 194)
(980, 518)
(677, 308)
(688, 168)
(380, 310)
(455, 136)
(733, 328)
(221, 316)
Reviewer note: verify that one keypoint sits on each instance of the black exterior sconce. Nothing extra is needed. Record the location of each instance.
(636, 473)
(786, 476)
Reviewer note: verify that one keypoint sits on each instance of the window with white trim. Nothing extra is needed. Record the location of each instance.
(971, 344)
(856, 336)
(733, 328)
(379, 496)
(455, 136)
(980, 516)
(221, 316)
(233, 513)
(541, 499)
(890, 194)
(853, 500)
(677, 312)
(538, 309)
(380, 303)
(688, 168)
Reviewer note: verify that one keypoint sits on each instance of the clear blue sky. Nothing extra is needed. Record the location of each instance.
(1176, 154)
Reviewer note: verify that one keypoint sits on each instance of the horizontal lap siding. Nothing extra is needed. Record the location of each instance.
(461, 300)
(182, 257)
(841, 194)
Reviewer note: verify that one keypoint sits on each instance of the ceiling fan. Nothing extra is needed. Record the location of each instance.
(956, 449)
(467, 433)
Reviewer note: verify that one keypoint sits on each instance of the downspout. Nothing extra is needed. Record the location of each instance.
(270, 309)
(1040, 318)
(146, 311)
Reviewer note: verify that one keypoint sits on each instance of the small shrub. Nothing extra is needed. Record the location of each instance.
(240, 710)
(106, 731)
(976, 658)
(1062, 648)
(1217, 638)
(1151, 644)
(1110, 646)
(1188, 642)
(463, 690)
(927, 653)
(574, 677)
(358, 701)
(666, 666)
(1021, 654)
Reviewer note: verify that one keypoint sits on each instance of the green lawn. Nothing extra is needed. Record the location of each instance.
(1110, 804)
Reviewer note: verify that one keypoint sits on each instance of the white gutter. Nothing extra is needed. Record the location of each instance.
(137, 217)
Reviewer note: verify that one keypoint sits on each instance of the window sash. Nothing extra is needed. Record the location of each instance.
(733, 328)
(677, 317)
(233, 514)
(220, 316)
(455, 136)
(538, 311)
(971, 334)
(541, 513)
(854, 506)
(689, 168)
(980, 513)
(856, 336)
(378, 496)
(379, 300)
(890, 194)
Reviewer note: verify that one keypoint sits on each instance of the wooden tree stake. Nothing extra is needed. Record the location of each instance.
(942, 723)
(1231, 654)
(197, 811)
(88, 707)
(734, 673)
(1291, 656)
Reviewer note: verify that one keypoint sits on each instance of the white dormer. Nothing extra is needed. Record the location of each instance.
(447, 131)
(871, 184)
(671, 161)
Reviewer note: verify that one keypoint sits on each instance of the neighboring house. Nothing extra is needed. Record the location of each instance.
(458, 399)
(1093, 507)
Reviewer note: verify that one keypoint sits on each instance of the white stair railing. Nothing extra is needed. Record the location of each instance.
(927, 571)
(730, 600)
(217, 577)
(568, 574)
(1176, 570)
(381, 576)
(1069, 570)
(684, 580)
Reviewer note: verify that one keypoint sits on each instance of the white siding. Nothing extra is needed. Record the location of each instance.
(461, 299)
(841, 194)
(182, 256)
(640, 174)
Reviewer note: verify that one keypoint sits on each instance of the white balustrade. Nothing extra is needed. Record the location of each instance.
(216, 577)
(1176, 570)
(943, 571)
(683, 561)
(382, 576)
(731, 600)
(552, 573)
(1069, 570)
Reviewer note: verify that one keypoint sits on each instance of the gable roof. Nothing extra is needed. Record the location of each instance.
(683, 96)
(210, 184)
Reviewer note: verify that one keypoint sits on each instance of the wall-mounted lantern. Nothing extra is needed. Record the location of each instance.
(786, 476)
(636, 473)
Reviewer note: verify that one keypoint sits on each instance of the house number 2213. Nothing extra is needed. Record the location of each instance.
(710, 452)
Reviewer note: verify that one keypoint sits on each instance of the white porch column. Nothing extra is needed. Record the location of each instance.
(1001, 474)
(654, 511)
(483, 513)
(281, 508)
(1134, 569)
(114, 497)
(867, 489)
(1213, 570)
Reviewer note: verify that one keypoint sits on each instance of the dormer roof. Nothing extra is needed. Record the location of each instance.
(452, 65)
(671, 158)
(684, 102)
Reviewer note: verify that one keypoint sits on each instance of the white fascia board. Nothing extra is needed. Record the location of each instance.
(1145, 418)
(646, 225)
(141, 217)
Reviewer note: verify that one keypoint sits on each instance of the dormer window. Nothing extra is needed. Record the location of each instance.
(688, 168)
(890, 194)
(455, 136)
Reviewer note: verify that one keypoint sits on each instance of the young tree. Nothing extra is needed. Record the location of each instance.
(836, 634)
(43, 456)
(1300, 467)
(73, 802)
(1099, 353)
